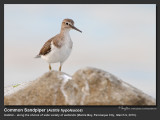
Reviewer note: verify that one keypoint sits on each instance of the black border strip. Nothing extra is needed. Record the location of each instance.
(80, 2)
(142, 114)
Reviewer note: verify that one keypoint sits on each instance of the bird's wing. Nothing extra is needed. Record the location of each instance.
(56, 41)
(46, 48)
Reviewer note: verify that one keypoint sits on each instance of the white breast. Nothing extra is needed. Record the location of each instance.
(59, 54)
(66, 49)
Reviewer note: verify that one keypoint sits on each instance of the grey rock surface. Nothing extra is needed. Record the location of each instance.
(88, 86)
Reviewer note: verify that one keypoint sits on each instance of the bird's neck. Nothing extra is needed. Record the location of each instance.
(64, 32)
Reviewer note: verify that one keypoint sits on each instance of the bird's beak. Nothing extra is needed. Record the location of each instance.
(75, 28)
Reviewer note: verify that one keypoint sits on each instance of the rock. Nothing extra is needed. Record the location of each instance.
(89, 86)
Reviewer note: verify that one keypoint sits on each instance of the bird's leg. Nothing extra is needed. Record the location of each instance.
(50, 68)
(60, 66)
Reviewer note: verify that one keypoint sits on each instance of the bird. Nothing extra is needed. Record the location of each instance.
(58, 48)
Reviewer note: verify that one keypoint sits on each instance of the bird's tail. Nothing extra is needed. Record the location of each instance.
(37, 56)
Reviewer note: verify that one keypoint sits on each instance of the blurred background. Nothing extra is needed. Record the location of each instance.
(120, 39)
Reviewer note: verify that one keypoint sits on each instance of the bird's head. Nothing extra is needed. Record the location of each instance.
(69, 24)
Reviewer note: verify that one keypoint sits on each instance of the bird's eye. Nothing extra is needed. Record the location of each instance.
(66, 23)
